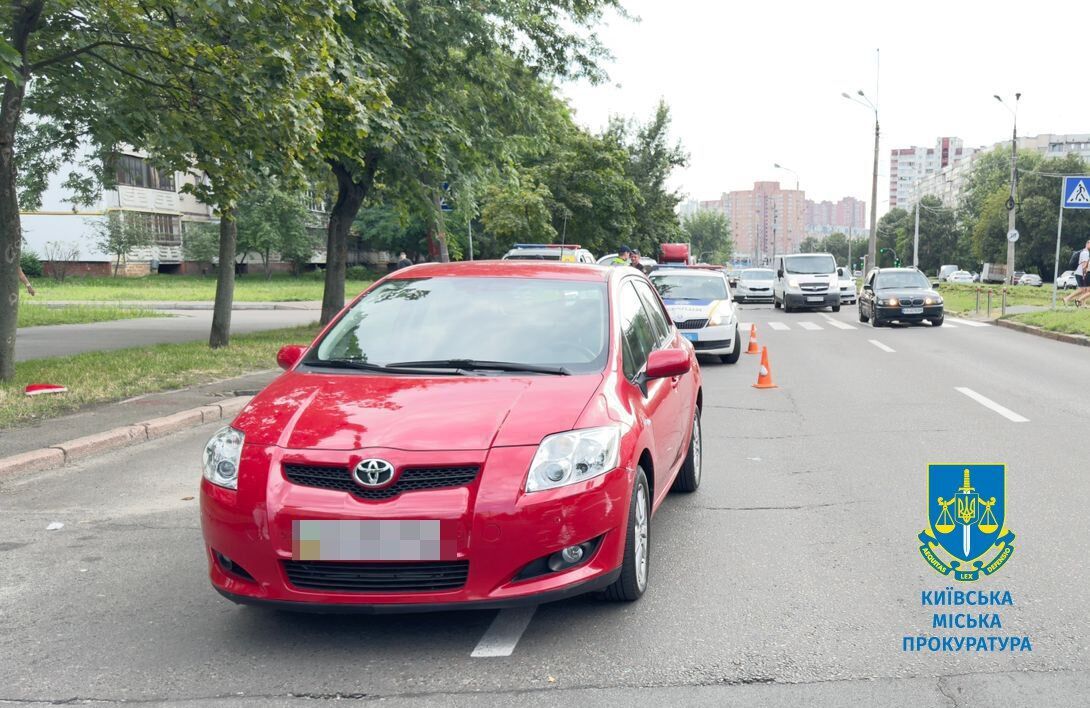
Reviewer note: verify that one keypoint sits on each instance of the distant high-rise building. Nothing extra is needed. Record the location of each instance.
(848, 216)
(907, 166)
(765, 220)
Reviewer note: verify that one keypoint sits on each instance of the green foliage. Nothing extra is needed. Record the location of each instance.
(120, 235)
(708, 233)
(31, 265)
(201, 241)
(273, 222)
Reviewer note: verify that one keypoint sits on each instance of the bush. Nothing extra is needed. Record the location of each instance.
(30, 264)
(357, 273)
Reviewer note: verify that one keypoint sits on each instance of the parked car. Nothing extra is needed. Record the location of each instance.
(1018, 276)
(901, 295)
(566, 253)
(848, 292)
(1030, 279)
(960, 276)
(700, 304)
(806, 280)
(507, 430)
(946, 270)
(754, 285)
(1066, 280)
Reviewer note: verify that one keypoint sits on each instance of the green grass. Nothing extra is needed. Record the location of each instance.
(36, 315)
(961, 299)
(248, 288)
(100, 377)
(1071, 321)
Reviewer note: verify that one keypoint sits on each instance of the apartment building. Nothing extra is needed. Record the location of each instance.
(847, 216)
(766, 220)
(908, 166)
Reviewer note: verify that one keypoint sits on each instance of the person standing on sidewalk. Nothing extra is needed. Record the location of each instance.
(403, 261)
(1082, 278)
(26, 282)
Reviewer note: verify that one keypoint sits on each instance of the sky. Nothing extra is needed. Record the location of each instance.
(754, 83)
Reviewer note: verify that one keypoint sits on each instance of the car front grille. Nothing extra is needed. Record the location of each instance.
(409, 480)
(692, 324)
(814, 288)
(710, 344)
(336, 576)
(911, 301)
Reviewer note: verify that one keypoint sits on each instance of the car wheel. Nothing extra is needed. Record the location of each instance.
(875, 322)
(836, 308)
(635, 565)
(937, 321)
(786, 307)
(862, 317)
(736, 352)
(688, 478)
(775, 303)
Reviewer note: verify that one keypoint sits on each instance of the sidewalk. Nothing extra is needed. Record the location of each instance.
(109, 416)
(186, 304)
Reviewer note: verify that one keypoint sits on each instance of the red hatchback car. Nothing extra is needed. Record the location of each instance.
(463, 435)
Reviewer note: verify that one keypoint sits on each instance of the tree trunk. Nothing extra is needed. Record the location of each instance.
(225, 282)
(350, 196)
(24, 22)
(441, 230)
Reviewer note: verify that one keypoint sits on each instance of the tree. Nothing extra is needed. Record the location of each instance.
(274, 221)
(120, 235)
(708, 233)
(810, 244)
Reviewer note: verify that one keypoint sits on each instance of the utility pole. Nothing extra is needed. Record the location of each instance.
(872, 247)
(916, 235)
(1011, 203)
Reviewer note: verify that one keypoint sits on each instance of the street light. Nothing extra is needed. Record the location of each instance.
(873, 245)
(1011, 205)
(778, 166)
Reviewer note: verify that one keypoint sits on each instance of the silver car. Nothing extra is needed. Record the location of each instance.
(848, 292)
(754, 285)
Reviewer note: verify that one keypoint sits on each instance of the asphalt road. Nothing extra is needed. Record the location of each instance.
(789, 578)
(182, 326)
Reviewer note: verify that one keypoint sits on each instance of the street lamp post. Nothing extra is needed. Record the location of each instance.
(1011, 204)
(798, 212)
(873, 245)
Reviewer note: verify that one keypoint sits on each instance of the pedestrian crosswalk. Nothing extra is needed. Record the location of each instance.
(833, 323)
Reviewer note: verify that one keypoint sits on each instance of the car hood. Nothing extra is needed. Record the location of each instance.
(901, 293)
(755, 283)
(681, 310)
(350, 412)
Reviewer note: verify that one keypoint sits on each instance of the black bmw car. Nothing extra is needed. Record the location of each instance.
(899, 295)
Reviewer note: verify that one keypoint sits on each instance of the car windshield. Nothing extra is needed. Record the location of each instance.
(531, 321)
(757, 274)
(903, 279)
(689, 287)
(809, 264)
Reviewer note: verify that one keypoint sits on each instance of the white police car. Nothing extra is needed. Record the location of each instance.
(700, 304)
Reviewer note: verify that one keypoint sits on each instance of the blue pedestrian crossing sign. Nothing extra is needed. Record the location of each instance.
(1077, 192)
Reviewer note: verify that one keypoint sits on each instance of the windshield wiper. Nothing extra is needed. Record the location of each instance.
(361, 365)
(479, 365)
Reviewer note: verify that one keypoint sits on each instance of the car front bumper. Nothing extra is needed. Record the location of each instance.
(744, 295)
(848, 296)
(718, 339)
(814, 300)
(490, 526)
(891, 314)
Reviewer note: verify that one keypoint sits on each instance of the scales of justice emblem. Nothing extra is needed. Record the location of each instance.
(966, 537)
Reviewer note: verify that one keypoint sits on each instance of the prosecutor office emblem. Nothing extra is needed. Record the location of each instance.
(966, 510)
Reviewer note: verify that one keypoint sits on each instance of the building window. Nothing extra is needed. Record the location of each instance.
(136, 172)
(166, 229)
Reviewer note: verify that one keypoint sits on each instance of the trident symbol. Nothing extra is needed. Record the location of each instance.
(966, 511)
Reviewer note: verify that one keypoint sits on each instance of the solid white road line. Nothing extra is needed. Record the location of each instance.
(989, 403)
(812, 326)
(949, 325)
(504, 632)
(778, 326)
(968, 323)
(881, 346)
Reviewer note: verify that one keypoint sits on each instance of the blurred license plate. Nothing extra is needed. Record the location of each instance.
(385, 540)
(912, 311)
(691, 336)
(814, 298)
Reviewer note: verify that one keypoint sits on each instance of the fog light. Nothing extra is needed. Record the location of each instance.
(572, 554)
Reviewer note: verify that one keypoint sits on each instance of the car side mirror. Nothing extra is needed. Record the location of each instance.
(663, 363)
(866, 286)
(289, 355)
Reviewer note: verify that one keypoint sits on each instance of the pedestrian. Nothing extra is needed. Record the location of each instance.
(403, 261)
(26, 281)
(634, 260)
(624, 256)
(1082, 278)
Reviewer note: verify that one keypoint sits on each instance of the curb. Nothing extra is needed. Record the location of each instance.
(59, 455)
(185, 305)
(1047, 334)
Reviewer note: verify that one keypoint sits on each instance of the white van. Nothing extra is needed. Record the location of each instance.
(806, 281)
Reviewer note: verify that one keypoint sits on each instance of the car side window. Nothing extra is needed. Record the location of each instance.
(870, 279)
(659, 323)
(636, 331)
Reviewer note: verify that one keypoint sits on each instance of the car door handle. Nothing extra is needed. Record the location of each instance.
(675, 381)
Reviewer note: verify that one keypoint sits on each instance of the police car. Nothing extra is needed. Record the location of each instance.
(699, 302)
(565, 253)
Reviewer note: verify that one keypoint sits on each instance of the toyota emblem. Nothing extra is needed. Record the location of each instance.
(374, 473)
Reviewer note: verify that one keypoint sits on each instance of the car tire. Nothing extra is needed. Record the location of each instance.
(836, 308)
(875, 322)
(862, 317)
(775, 303)
(937, 322)
(636, 561)
(735, 353)
(786, 307)
(688, 477)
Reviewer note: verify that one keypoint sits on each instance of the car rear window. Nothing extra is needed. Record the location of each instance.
(547, 322)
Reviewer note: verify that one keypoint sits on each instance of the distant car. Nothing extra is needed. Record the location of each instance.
(565, 253)
(901, 295)
(848, 292)
(960, 276)
(1066, 280)
(976, 277)
(732, 278)
(1018, 276)
(857, 273)
(700, 304)
(946, 270)
(754, 284)
(1030, 279)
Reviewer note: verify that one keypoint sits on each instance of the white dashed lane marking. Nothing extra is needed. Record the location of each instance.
(812, 326)
(780, 326)
(881, 346)
(989, 403)
(504, 633)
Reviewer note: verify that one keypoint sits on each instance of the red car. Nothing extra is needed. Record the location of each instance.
(463, 435)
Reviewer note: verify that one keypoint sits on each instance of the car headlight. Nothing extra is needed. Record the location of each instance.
(714, 318)
(221, 457)
(574, 456)
(793, 282)
(932, 301)
(890, 301)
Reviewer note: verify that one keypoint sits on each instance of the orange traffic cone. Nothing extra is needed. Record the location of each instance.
(764, 376)
(753, 348)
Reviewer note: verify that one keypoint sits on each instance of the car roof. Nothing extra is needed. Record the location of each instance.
(507, 269)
